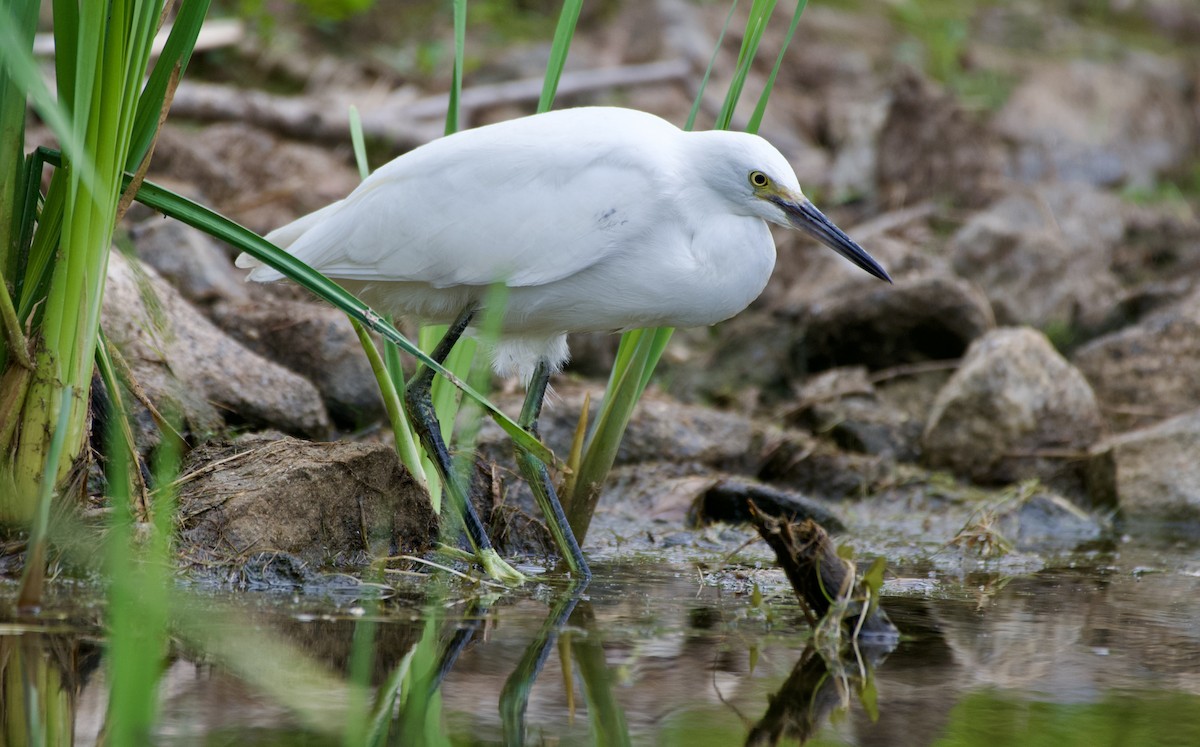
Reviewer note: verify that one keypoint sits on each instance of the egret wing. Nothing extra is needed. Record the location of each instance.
(525, 202)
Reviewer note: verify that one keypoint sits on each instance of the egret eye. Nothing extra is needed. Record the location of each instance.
(759, 179)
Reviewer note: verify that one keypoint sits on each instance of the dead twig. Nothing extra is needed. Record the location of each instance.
(400, 119)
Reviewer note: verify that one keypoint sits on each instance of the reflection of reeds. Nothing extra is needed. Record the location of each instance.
(38, 686)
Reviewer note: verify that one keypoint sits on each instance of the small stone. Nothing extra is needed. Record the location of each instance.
(1157, 470)
(1148, 371)
(1047, 521)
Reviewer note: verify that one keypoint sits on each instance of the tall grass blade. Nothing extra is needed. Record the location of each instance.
(362, 658)
(359, 143)
(420, 708)
(20, 67)
(139, 574)
(122, 433)
(20, 22)
(172, 62)
(563, 33)
(712, 60)
(761, 107)
(456, 79)
(756, 24)
(406, 446)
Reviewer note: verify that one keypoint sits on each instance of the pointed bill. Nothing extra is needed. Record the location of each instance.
(804, 215)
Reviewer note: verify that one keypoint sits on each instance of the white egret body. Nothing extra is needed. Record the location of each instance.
(597, 219)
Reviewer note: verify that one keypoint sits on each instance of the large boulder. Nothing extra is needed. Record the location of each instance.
(1014, 410)
(314, 340)
(921, 318)
(183, 362)
(190, 260)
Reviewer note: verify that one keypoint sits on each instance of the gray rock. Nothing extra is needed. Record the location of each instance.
(326, 503)
(1149, 371)
(1104, 124)
(1157, 470)
(191, 261)
(1047, 521)
(179, 357)
(254, 176)
(1043, 256)
(918, 319)
(1015, 409)
(315, 341)
(662, 429)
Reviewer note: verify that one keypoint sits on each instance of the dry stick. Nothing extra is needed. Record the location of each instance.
(140, 175)
(215, 34)
(399, 119)
(135, 388)
(913, 369)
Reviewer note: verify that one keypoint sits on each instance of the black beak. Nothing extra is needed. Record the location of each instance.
(804, 215)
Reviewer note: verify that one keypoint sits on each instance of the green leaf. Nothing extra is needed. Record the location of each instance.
(359, 143)
(873, 578)
(460, 41)
(563, 34)
(761, 107)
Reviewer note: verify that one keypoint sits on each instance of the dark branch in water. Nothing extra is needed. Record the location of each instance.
(821, 579)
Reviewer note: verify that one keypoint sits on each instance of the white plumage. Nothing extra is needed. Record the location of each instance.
(597, 219)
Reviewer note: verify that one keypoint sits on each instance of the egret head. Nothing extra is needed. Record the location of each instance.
(764, 185)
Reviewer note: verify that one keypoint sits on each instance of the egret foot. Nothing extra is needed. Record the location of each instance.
(496, 567)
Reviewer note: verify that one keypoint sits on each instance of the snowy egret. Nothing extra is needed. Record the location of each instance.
(597, 219)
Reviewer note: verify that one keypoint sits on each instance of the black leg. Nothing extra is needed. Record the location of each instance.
(418, 401)
(539, 478)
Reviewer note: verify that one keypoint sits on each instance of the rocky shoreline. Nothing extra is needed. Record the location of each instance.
(1034, 372)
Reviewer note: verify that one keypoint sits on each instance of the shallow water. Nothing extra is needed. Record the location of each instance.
(1103, 653)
